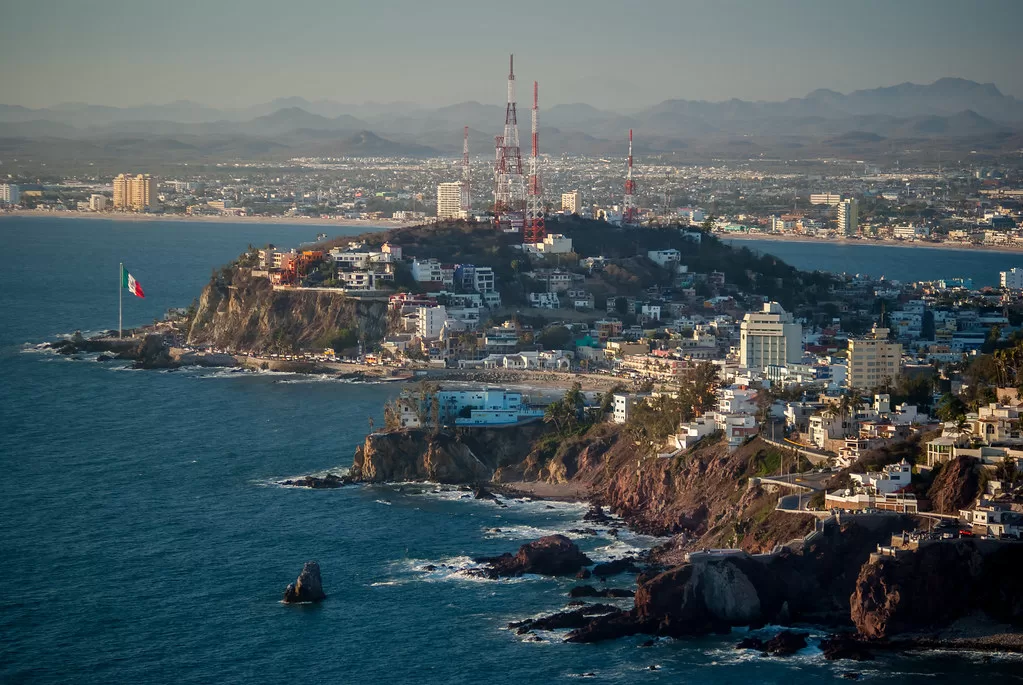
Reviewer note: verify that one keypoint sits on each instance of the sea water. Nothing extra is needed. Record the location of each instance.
(144, 537)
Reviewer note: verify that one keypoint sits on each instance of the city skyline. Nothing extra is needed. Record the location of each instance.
(240, 54)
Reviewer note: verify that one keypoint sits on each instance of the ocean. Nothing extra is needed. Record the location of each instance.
(894, 262)
(144, 538)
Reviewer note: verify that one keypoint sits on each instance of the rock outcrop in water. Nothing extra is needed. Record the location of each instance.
(552, 555)
(810, 581)
(462, 456)
(307, 588)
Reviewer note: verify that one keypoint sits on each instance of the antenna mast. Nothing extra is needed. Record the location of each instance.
(629, 205)
(509, 185)
(535, 230)
(466, 195)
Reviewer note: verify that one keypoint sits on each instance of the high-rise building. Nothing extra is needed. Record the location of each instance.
(97, 202)
(848, 220)
(134, 192)
(873, 361)
(770, 338)
(10, 194)
(572, 202)
(1011, 279)
(449, 200)
(831, 199)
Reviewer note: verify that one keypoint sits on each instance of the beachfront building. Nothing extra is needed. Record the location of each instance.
(471, 407)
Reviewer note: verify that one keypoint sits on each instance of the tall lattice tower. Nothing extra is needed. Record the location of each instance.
(629, 205)
(509, 183)
(535, 230)
(466, 188)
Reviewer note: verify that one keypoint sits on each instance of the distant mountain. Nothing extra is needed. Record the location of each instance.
(825, 120)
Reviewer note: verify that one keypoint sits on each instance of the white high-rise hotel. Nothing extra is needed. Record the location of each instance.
(770, 338)
(449, 200)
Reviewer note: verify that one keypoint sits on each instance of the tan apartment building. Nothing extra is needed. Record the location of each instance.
(873, 361)
(572, 202)
(134, 192)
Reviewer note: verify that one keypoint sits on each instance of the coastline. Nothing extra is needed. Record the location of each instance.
(774, 237)
(297, 222)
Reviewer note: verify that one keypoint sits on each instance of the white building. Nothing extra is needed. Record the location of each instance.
(544, 300)
(770, 338)
(555, 243)
(483, 280)
(665, 258)
(623, 404)
(449, 200)
(831, 199)
(10, 194)
(97, 202)
(428, 271)
(848, 219)
(1011, 279)
(430, 321)
(891, 479)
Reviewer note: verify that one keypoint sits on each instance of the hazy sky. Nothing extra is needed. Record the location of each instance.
(611, 53)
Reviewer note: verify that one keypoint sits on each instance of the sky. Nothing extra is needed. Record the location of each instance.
(616, 54)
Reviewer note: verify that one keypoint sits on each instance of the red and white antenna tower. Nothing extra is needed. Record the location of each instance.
(509, 184)
(534, 231)
(466, 195)
(629, 205)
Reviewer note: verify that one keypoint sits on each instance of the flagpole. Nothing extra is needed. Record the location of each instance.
(120, 301)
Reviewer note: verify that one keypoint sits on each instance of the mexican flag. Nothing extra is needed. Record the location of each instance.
(129, 283)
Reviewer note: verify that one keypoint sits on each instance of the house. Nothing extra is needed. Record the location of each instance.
(664, 258)
(891, 479)
(544, 301)
(691, 433)
(996, 519)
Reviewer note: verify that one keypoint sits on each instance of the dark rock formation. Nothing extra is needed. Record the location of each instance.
(576, 618)
(751, 642)
(590, 591)
(786, 643)
(844, 646)
(318, 482)
(553, 555)
(937, 584)
(152, 353)
(613, 568)
(308, 587)
(712, 595)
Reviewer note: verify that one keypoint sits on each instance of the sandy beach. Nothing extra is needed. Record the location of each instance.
(869, 243)
(296, 221)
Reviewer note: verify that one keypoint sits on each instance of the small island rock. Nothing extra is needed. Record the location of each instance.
(308, 587)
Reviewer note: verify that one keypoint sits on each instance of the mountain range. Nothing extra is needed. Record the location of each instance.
(949, 108)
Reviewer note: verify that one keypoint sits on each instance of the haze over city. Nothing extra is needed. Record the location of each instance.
(236, 53)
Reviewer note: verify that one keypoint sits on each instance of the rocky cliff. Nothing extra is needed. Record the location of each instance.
(955, 486)
(938, 584)
(810, 582)
(240, 312)
(457, 456)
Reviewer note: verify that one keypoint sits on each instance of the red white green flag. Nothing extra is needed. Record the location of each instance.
(129, 283)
